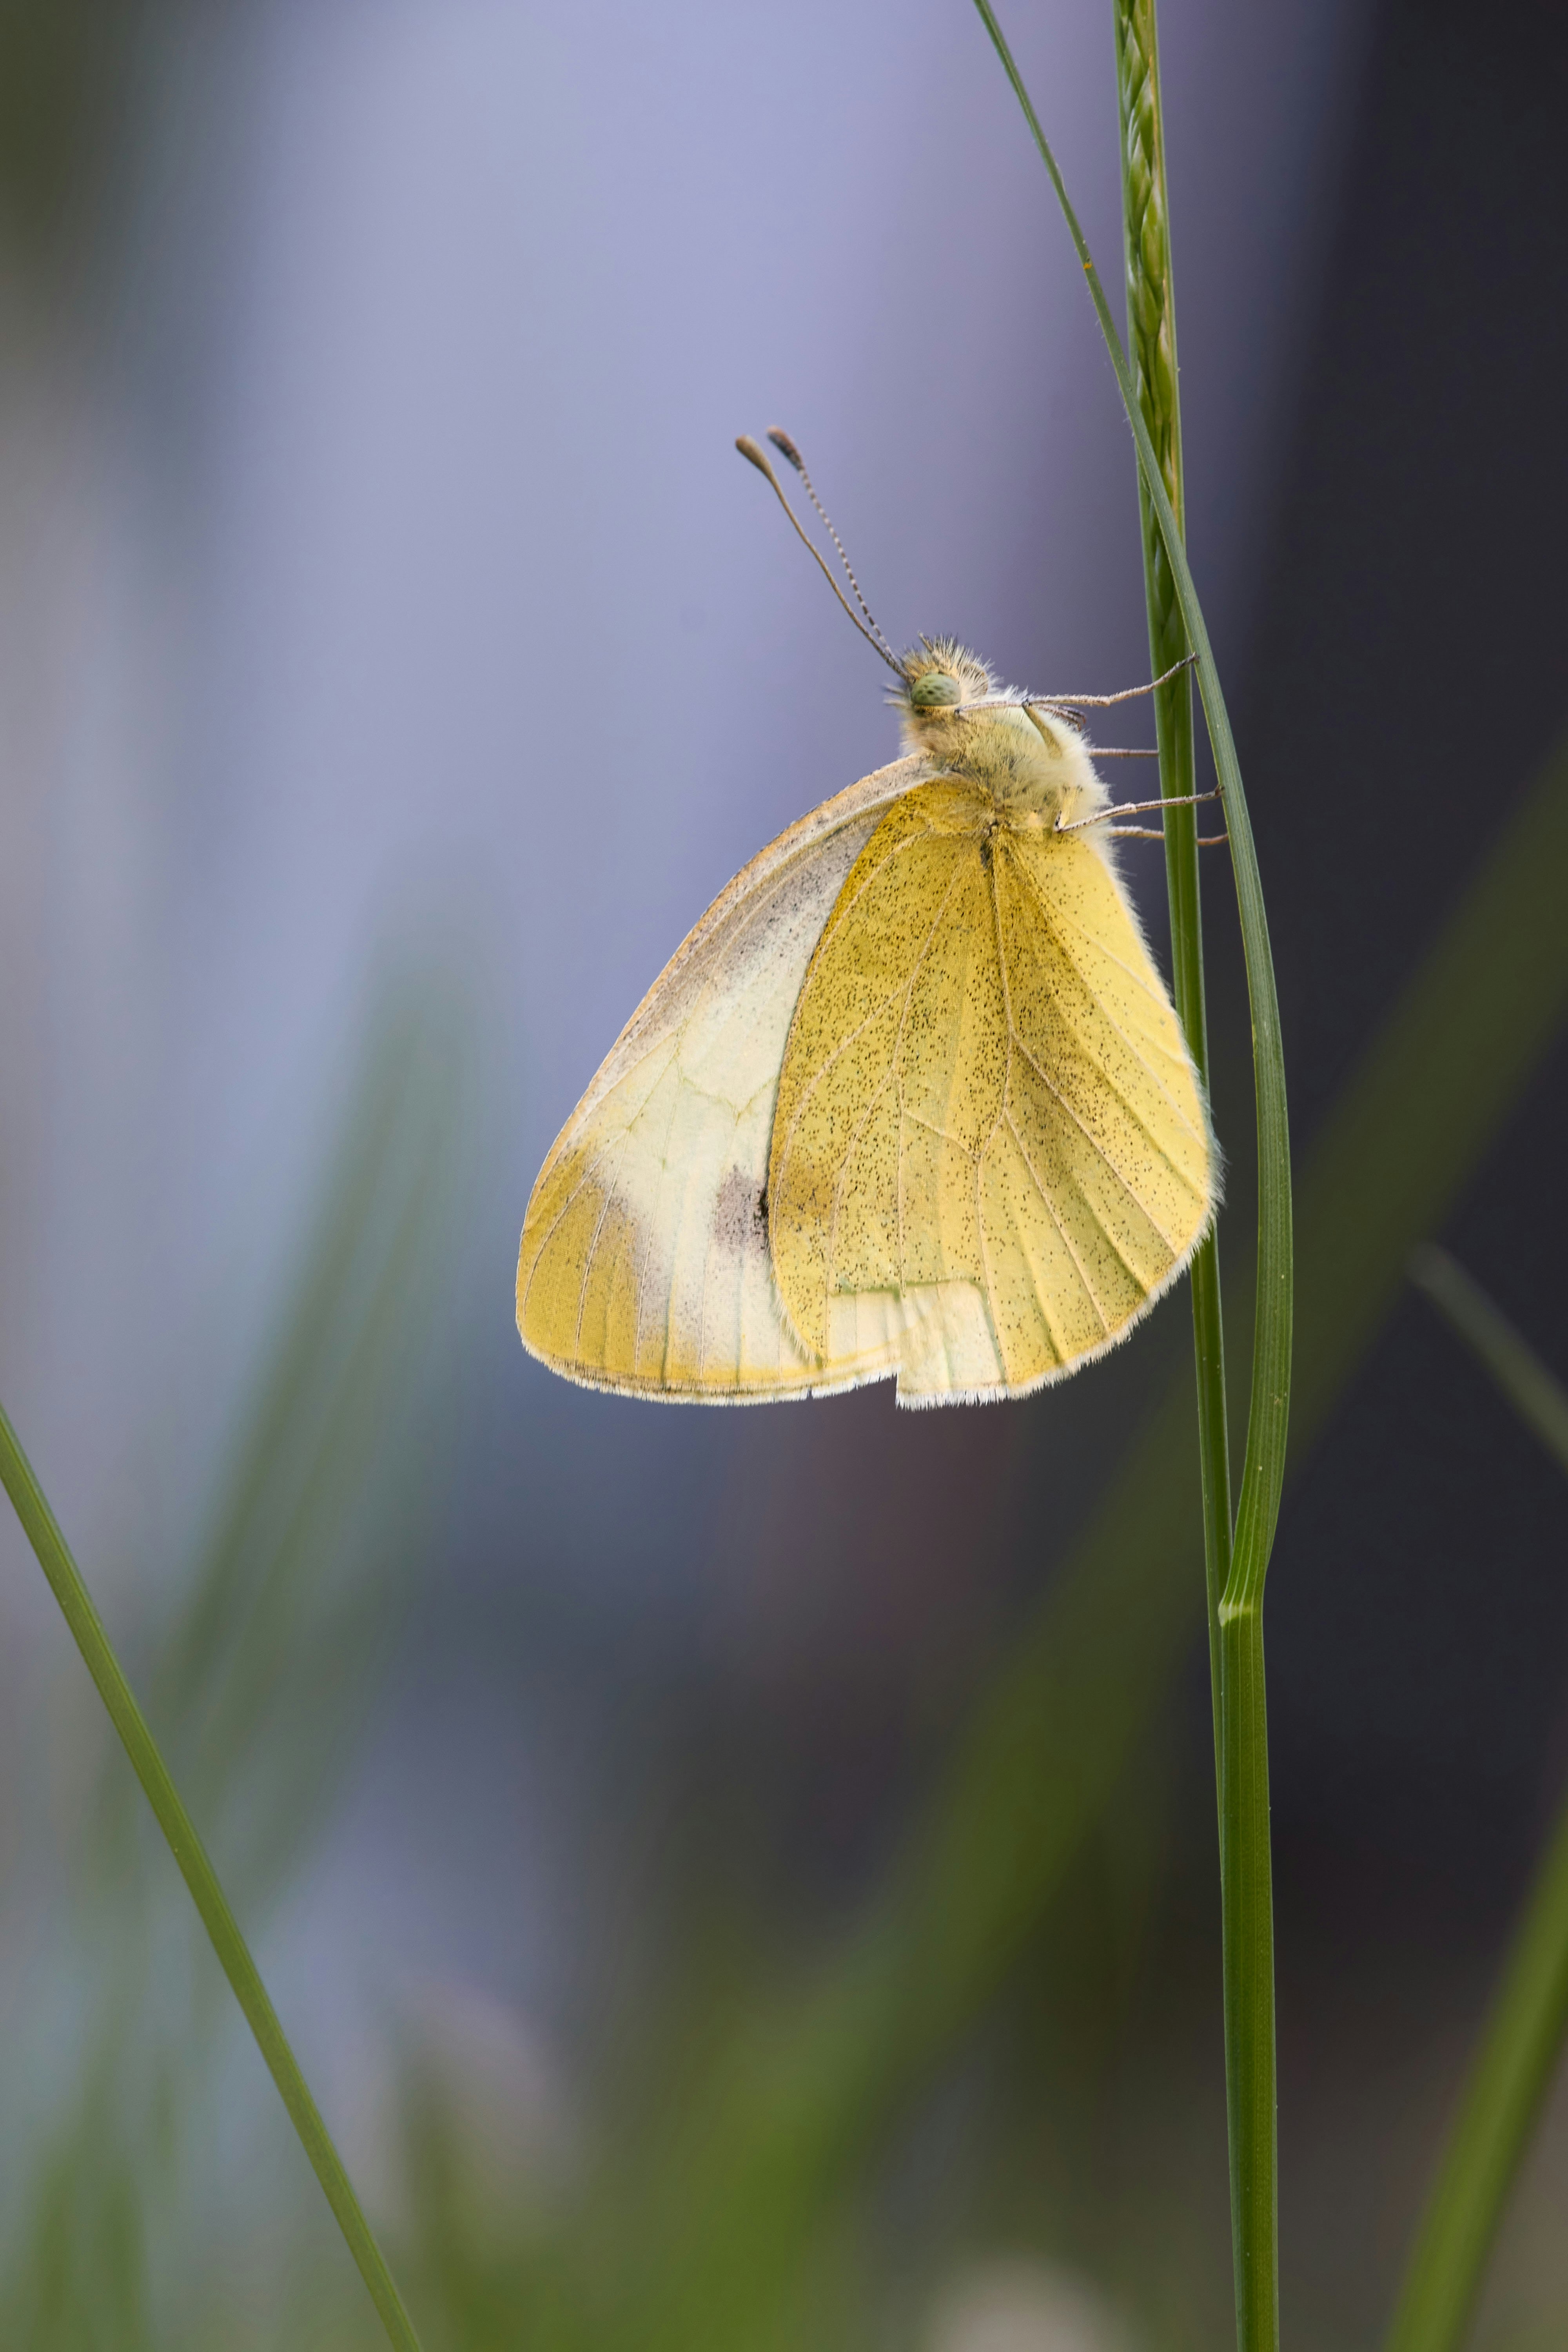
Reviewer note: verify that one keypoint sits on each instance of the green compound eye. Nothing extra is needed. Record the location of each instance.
(936, 690)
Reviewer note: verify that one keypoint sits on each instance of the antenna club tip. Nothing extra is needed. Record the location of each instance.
(786, 447)
(753, 454)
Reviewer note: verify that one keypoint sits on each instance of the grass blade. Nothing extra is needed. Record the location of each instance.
(1522, 2042)
(1152, 355)
(255, 1671)
(1535, 1393)
(1507, 2088)
(1245, 1854)
(1263, 1472)
(87, 1628)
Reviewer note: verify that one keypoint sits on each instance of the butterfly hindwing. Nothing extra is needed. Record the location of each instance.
(989, 1145)
(644, 1263)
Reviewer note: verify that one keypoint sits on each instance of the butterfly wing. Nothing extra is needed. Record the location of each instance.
(990, 1150)
(644, 1263)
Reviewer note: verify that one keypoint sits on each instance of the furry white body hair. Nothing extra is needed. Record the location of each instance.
(1027, 754)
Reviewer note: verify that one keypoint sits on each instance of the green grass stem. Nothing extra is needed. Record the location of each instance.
(1151, 356)
(1245, 1863)
(1521, 2045)
(1247, 1914)
(87, 1628)
(1263, 1470)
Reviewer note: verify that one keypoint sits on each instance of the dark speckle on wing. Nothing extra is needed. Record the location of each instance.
(740, 1216)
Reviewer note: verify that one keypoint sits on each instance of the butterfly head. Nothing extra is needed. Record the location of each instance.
(957, 716)
(939, 679)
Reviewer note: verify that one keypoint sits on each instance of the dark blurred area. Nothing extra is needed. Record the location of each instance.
(642, 1812)
(1409, 609)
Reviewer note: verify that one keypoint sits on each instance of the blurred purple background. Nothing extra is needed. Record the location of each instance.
(391, 576)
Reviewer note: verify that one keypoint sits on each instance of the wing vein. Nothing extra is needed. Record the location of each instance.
(1066, 1237)
(838, 1190)
(588, 1259)
(1068, 1112)
(1055, 920)
(930, 1127)
(874, 874)
(1116, 1029)
(585, 1176)
(1054, 916)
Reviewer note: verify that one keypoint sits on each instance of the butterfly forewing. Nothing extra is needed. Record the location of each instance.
(989, 1142)
(644, 1263)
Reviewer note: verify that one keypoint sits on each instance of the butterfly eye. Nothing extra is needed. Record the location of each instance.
(936, 690)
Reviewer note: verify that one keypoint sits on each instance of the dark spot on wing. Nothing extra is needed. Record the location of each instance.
(739, 1215)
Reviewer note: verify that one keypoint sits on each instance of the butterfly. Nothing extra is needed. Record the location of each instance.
(911, 1101)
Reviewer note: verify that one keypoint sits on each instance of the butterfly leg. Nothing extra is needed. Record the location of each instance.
(1157, 833)
(1138, 808)
(1103, 702)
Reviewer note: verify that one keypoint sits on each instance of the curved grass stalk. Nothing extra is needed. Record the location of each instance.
(1244, 1858)
(86, 1628)
(1528, 2022)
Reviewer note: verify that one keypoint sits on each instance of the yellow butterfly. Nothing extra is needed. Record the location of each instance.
(911, 1100)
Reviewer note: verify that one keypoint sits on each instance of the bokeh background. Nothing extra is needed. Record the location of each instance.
(727, 1884)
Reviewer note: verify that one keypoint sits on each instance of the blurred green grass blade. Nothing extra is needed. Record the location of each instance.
(88, 1631)
(321, 1403)
(1535, 1393)
(296, 1597)
(291, 1605)
(779, 2116)
(49, 2296)
(264, 1483)
(1521, 2045)
(1507, 2086)
(1431, 1095)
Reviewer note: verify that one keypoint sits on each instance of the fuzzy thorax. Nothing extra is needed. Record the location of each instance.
(1026, 755)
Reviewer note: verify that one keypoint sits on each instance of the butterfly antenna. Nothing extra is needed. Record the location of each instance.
(792, 455)
(756, 455)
